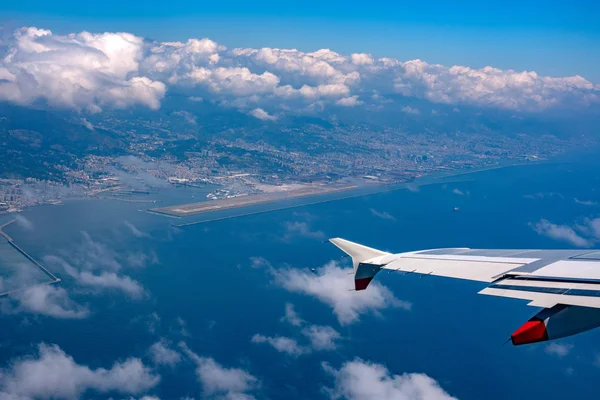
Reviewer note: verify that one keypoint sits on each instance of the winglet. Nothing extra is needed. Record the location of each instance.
(364, 261)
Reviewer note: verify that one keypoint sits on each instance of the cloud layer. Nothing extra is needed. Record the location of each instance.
(87, 71)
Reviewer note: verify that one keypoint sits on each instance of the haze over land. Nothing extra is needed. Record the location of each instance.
(95, 110)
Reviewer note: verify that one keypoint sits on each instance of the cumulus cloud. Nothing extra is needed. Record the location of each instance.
(235, 81)
(363, 380)
(590, 227)
(49, 300)
(350, 101)
(91, 254)
(79, 71)
(561, 232)
(321, 337)
(330, 285)
(217, 380)
(87, 71)
(281, 344)
(96, 265)
(54, 374)
(162, 354)
(362, 59)
(558, 349)
(262, 115)
(490, 86)
(291, 317)
(301, 229)
(101, 280)
(410, 110)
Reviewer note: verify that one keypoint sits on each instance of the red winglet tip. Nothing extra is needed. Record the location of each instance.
(362, 283)
(532, 331)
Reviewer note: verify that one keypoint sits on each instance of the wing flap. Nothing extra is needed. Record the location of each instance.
(483, 269)
(544, 292)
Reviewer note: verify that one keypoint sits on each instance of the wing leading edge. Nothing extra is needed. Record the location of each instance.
(566, 283)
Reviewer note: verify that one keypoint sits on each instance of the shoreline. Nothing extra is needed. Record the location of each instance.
(321, 198)
(420, 181)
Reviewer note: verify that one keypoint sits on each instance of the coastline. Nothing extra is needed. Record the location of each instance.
(353, 193)
(435, 177)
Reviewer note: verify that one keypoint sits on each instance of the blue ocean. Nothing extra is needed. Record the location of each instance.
(211, 285)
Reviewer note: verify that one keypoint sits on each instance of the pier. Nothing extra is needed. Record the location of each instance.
(11, 242)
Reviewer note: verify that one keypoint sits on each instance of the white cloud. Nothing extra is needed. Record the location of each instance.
(102, 280)
(590, 227)
(382, 215)
(321, 337)
(96, 265)
(410, 110)
(585, 202)
(87, 124)
(363, 380)
(135, 231)
(291, 317)
(362, 59)
(90, 254)
(561, 232)
(348, 101)
(281, 344)
(86, 71)
(49, 300)
(558, 349)
(80, 71)
(54, 374)
(162, 354)
(218, 380)
(187, 116)
(490, 86)
(236, 81)
(301, 229)
(260, 262)
(24, 223)
(110, 280)
(262, 115)
(330, 284)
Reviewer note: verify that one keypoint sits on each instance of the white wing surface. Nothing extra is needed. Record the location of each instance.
(566, 283)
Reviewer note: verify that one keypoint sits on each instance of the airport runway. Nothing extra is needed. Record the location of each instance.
(250, 200)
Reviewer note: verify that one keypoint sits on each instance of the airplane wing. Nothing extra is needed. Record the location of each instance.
(566, 283)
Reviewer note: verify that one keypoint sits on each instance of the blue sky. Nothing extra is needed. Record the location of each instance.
(553, 38)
